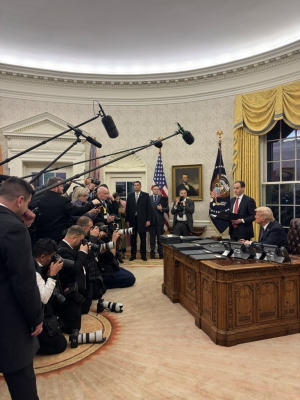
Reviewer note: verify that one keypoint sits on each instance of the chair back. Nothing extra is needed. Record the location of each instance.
(294, 236)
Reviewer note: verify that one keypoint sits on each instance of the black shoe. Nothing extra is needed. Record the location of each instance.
(152, 256)
(120, 260)
(144, 258)
(100, 307)
(73, 338)
(161, 256)
(132, 258)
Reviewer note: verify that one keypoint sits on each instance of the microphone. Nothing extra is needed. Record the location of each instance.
(93, 141)
(186, 135)
(78, 132)
(157, 143)
(108, 124)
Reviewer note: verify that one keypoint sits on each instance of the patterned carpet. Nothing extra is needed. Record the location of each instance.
(155, 352)
(90, 323)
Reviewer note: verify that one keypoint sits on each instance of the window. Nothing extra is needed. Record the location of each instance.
(281, 186)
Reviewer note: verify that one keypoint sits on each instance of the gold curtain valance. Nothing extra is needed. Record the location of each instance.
(255, 115)
(258, 112)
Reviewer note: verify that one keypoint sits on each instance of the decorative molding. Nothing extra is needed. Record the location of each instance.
(226, 79)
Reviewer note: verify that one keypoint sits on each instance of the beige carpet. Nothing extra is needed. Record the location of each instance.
(155, 352)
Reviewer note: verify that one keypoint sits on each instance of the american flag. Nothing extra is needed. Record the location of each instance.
(160, 180)
(94, 163)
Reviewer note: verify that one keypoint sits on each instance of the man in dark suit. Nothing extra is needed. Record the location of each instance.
(157, 220)
(245, 206)
(185, 185)
(54, 212)
(21, 312)
(138, 216)
(271, 232)
(183, 210)
(71, 248)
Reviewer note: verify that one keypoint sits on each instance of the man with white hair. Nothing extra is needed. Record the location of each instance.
(271, 232)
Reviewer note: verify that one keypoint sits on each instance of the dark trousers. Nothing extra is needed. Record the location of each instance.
(181, 229)
(22, 383)
(155, 232)
(70, 314)
(133, 242)
(120, 279)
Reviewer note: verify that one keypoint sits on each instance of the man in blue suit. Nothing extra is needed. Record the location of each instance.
(271, 232)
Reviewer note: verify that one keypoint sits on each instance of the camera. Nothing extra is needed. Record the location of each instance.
(129, 231)
(117, 219)
(66, 263)
(107, 246)
(103, 228)
(95, 182)
(58, 297)
(71, 292)
(94, 247)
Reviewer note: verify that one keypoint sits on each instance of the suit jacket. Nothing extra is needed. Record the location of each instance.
(157, 216)
(75, 273)
(189, 210)
(246, 209)
(54, 215)
(142, 208)
(190, 192)
(274, 234)
(20, 302)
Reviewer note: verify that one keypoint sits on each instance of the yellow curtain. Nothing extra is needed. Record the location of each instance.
(1, 167)
(255, 115)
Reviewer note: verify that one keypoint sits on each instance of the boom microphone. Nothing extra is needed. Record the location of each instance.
(93, 141)
(108, 124)
(157, 143)
(88, 138)
(186, 135)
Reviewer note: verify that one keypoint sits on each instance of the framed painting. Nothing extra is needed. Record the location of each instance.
(188, 177)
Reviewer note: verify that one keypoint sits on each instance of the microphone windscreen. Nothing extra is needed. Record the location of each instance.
(188, 137)
(94, 142)
(110, 126)
(158, 144)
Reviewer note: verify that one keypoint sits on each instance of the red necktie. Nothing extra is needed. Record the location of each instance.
(236, 208)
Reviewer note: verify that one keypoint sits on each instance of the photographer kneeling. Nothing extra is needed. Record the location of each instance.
(51, 340)
(72, 278)
(114, 276)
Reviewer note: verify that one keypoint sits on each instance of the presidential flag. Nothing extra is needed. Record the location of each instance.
(219, 193)
(94, 162)
(160, 180)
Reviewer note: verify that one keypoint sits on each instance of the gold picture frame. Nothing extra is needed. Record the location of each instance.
(194, 173)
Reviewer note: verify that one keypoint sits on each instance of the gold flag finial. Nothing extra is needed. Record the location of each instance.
(219, 134)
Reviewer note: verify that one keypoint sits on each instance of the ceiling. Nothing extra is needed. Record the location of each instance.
(142, 37)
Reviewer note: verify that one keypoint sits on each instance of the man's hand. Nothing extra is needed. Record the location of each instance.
(94, 231)
(55, 267)
(28, 217)
(94, 211)
(236, 222)
(147, 224)
(96, 202)
(159, 207)
(110, 218)
(38, 330)
(85, 247)
(115, 236)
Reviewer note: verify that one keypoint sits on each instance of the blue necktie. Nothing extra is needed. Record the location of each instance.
(155, 199)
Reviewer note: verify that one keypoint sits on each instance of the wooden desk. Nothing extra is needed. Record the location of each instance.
(235, 301)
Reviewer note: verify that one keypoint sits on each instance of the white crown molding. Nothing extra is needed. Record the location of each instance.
(270, 69)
